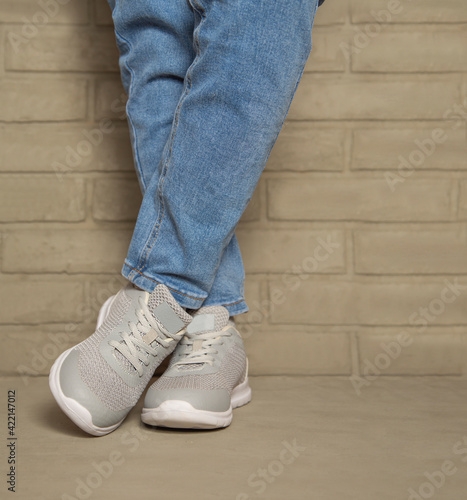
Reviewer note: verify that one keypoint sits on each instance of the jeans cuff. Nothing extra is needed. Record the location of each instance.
(147, 283)
(234, 308)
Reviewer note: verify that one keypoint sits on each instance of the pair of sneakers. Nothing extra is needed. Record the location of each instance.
(97, 382)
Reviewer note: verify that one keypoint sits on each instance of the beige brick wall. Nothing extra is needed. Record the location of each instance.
(355, 244)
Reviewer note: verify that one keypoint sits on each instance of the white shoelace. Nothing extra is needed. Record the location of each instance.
(128, 346)
(205, 350)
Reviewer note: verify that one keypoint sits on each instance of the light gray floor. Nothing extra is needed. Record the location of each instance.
(370, 447)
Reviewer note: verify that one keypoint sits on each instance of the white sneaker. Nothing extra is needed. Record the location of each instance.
(98, 382)
(206, 378)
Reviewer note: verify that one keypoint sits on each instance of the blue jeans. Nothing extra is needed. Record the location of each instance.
(209, 84)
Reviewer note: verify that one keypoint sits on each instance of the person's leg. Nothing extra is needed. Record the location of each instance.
(155, 40)
(229, 282)
(97, 382)
(155, 54)
(250, 55)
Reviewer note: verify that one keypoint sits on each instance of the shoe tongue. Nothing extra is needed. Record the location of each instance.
(209, 319)
(206, 319)
(166, 310)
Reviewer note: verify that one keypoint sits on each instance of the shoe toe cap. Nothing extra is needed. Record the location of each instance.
(83, 401)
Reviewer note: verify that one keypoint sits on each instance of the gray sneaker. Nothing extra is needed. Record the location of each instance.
(98, 382)
(207, 376)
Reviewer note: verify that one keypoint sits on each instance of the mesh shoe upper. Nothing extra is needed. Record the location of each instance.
(105, 370)
(210, 356)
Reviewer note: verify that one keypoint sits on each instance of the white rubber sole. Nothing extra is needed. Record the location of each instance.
(182, 415)
(74, 410)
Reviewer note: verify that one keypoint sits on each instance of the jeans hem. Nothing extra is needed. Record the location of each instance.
(149, 283)
(188, 302)
(234, 308)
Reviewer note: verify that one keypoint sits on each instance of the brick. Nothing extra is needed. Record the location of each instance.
(428, 353)
(110, 99)
(14, 11)
(39, 302)
(329, 99)
(385, 257)
(415, 11)
(332, 13)
(300, 251)
(319, 353)
(326, 54)
(320, 302)
(64, 148)
(116, 199)
(382, 149)
(41, 198)
(72, 251)
(103, 13)
(42, 100)
(302, 147)
(410, 252)
(463, 200)
(428, 52)
(31, 352)
(69, 48)
(253, 300)
(359, 199)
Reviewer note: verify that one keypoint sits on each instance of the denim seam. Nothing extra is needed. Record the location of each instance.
(159, 283)
(197, 7)
(130, 121)
(234, 303)
(157, 226)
